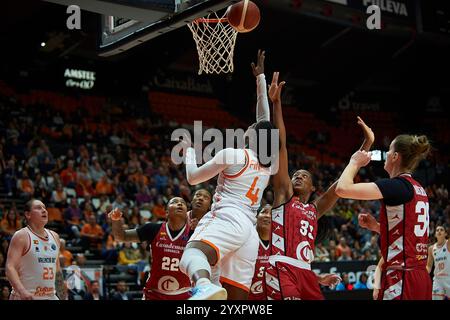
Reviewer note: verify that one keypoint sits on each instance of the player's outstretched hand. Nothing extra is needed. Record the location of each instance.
(115, 214)
(360, 158)
(368, 133)
(329, 280)
(367, 221)
(259, 67)
(275, 88)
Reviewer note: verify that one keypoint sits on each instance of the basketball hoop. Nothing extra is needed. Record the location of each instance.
(215, 39)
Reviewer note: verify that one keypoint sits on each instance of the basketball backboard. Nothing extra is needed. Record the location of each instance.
(127, 23)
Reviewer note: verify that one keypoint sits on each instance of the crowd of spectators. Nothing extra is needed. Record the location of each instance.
(83, 165)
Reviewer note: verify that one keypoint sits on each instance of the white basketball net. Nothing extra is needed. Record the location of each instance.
(215, 39)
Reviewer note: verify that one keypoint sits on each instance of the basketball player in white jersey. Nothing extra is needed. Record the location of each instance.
(226, 237)
(32, 266)
(439, 254)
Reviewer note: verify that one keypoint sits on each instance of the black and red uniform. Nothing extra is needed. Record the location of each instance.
(404, 230)
(166, 281)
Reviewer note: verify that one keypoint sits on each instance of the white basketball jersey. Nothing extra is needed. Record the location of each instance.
(441, 258)
(242, 186)
(37, 268)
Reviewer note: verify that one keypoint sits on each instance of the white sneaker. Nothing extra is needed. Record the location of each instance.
(208, 292)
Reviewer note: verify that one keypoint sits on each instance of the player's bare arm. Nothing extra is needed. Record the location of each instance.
(430, 260)
(20, 243)
(346, 188)
(281, 181)
(117, 228)
(210, 169)
(60, 285)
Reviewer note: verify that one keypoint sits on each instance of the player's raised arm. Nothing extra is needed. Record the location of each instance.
(281, 181)
(329, 198)
(117, 228)
(369, 136)
(19, 245)
(262, 103)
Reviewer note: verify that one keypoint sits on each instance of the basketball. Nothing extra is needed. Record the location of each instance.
(243, 16)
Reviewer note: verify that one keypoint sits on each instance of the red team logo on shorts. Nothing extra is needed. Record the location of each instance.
(168, 283)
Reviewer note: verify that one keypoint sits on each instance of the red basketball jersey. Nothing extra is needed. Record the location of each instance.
(404, 230)
(257, 289)
(294, 228)
(165, 276)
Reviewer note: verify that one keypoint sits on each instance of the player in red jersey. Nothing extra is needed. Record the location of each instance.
(294, 221)
(404, 216)
(167, 242)
(257, 290)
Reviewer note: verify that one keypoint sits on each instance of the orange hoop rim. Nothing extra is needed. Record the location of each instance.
(206, 20)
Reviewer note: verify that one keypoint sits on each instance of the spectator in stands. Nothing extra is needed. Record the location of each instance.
(43, 152)
(84, 186)
(133, 218)
(69, 175)
(321, 253)
(96, 171)
(5, 293)
(158, 209)
(105, 204)
(94, 292)
(10, 177)
(362, 283)
(10, 223)
(16, 149)
(88, 211)
(131, 256)
(47, 167)
(41, 189)
(110, 250)
(65, 256)
(105, 155)
(80, 260)
(345, 256)
(104, 186)
(119, 202)
(345, 284)
(342, 248)
(372, 247)
(121, 292)
(59, 196)
(143, 196)
(73, 218)
(91, 234)
(161, 180)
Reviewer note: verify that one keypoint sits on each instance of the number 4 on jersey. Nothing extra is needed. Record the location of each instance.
(251, 193)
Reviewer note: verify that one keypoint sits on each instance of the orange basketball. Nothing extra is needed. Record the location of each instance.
(243, 16)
